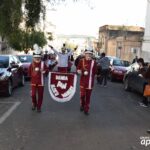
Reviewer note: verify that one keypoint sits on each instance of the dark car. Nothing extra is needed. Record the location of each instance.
(11, 74)
(117, 69)
(132, 80)
(26, 60)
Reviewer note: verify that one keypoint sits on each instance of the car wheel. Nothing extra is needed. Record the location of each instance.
(126, 85)
(22, 82)
(9, 88)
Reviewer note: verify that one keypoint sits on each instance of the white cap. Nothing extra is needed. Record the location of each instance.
(88, 50)
(37, 51)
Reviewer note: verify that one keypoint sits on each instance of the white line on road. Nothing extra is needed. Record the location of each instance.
(8, 113)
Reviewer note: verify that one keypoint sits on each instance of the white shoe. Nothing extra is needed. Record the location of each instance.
(143, 105)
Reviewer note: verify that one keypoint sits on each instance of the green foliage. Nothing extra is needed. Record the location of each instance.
(15, 40)
(21, 40)
(37, 37)
(10, 16)
(33, 8)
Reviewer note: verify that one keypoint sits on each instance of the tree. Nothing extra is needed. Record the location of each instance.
(11, 15)
(21, 40)
(33, 9)
(37, 37)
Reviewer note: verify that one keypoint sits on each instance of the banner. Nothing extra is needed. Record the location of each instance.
(62, 86)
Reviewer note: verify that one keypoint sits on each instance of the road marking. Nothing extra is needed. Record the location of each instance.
(9, 112)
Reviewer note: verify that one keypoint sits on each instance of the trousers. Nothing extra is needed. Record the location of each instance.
(37, 95)
(85, 95)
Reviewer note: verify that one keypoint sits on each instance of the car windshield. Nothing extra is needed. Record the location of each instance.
(25, 59)
(126, 63)
(4, 61)
(118, 62)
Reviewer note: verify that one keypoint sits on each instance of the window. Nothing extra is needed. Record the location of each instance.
(4, 61)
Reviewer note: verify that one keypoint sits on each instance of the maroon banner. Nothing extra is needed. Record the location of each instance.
(62, 86)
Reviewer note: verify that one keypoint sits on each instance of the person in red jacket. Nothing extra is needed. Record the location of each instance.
(37, 71)
(87, 69)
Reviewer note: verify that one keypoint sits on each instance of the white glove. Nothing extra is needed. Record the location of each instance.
(79, 71)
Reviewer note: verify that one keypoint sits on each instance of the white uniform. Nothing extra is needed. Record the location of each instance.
(62, 58)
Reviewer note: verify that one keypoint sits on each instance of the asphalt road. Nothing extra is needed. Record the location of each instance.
(116, 122)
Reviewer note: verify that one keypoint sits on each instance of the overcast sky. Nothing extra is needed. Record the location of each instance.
(81, 18)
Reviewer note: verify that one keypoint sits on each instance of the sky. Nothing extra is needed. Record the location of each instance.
(85, 18)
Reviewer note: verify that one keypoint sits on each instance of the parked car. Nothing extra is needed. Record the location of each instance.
(132, 80)
(11, 74)
(117, 69)
(26, 60)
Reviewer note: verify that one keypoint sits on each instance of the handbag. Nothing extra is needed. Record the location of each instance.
(147, 90)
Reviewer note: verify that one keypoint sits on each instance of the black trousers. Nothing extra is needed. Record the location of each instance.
(102, 79)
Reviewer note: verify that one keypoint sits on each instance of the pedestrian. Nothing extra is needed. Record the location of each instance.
(135, 59)
(77, 60)
(104, 67)
(37, 71)
(52, 62)
(87, 69)
(62, 58)
(144, 73)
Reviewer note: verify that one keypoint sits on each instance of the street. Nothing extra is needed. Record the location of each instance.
(116, 121)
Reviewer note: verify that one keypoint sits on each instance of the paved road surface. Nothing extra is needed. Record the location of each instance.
(116, 122)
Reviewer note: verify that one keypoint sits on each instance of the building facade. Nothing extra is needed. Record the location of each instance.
(146, 39)
(124, 42)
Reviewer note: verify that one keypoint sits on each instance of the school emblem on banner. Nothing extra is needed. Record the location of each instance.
(62, 86)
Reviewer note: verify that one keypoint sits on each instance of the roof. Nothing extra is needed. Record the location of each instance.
(122, 27)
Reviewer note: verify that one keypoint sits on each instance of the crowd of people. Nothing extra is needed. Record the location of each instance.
(86, 66)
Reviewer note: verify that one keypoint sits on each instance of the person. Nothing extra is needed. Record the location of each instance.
(37, 70)
(148, 78)
(77, 60)
(87, 69)
(143, 72)
(62, 58)
(135, 59)
(104, 67)
(52, 62)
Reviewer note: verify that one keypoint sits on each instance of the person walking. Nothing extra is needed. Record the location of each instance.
(37, 70)
(87, 69)
(104, 65)
(135, 59)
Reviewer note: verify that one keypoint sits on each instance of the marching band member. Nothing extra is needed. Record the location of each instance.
(37, 70)
(62, 58)
(87, 69)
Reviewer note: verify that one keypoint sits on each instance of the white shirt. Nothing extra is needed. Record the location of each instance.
(62, 58)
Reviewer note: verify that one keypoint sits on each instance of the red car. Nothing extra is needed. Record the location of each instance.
(26, 60)
(11, 74)
(118, 69)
